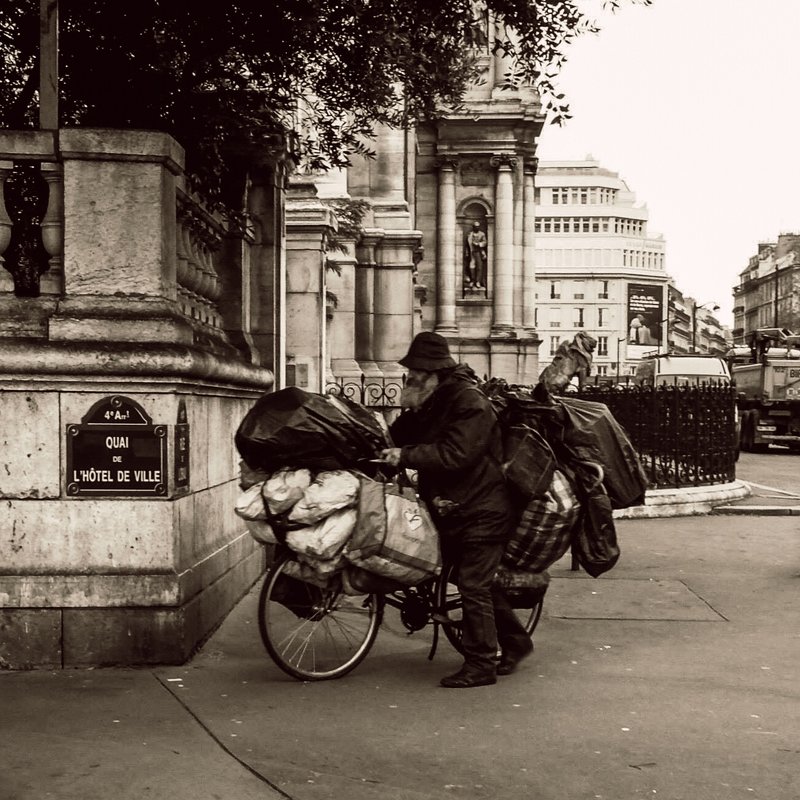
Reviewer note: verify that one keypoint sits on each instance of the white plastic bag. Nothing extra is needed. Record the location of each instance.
(249, 504)
(330, 491)
(284, 488)
(325, 539)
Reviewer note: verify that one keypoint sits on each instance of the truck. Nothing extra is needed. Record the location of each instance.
(766, 374)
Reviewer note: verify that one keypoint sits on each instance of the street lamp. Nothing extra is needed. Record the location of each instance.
(620, 339)
(695, 306)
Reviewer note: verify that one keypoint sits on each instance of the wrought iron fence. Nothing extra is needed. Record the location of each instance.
(684, 435)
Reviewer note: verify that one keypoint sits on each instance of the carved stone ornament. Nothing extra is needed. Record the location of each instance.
(446, 162)
(504, 160)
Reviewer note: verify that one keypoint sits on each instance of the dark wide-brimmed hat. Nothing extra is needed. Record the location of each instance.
(429, 352)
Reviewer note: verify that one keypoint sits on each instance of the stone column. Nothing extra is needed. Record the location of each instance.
(519, 234)
(528, 247)
(502, 64)
(308, 222)
(394, 299)
(446, 272)
(503, 278)
(365, 301)
(342, 340)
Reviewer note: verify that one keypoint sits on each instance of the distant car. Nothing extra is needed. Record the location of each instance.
(673, 369)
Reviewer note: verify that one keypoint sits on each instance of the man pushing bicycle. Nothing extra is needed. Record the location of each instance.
(448, 432)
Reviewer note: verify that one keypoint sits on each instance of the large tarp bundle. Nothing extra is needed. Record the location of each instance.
(576, 429)
(295, 428)
(592, 434)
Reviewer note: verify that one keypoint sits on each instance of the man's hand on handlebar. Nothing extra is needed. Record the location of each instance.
(391, 456)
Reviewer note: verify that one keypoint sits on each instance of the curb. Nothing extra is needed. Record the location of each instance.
(760, 511)
(685, 502)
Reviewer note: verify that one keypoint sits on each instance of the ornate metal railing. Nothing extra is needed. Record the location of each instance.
(685, 435)
(378, 393)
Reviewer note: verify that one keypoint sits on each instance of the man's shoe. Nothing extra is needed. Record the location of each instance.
(509, 661)
(466, 678)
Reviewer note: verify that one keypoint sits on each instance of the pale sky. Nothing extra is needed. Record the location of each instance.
(696, 104)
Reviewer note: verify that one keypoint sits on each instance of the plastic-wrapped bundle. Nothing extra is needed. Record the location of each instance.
(295, 428)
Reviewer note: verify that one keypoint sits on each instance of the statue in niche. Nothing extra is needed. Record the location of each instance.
(475, 250)
(477, 32)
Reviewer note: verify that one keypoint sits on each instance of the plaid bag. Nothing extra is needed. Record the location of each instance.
(545, 530)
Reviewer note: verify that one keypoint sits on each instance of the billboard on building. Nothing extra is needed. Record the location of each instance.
(645, 316)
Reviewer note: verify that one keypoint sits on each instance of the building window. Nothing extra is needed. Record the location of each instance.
(554, 342)
(603, 293)
(602, 371)
(602, 345)
(601, 317)
(578, 317)
(555, 290)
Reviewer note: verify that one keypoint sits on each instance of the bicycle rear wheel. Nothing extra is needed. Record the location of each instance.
(448, 601)
(315, 634)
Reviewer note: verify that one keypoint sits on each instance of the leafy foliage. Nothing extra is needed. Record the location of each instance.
(225, 78)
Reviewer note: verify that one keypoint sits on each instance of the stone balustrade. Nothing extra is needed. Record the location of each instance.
(198, 240)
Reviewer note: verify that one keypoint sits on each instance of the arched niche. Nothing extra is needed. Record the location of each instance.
(476, 224)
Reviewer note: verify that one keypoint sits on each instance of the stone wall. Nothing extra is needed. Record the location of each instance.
(155, 311)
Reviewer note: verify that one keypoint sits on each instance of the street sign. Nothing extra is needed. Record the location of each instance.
(116, 451)
(182, 449)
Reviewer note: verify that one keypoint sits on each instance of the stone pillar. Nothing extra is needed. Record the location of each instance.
(519, 234)
(308, 222)
(446, 272)
(365, 301)
(342, 339)
(119, 280)
(501, 66)
(503, 278)
(394, 298)
(123, 546)
(264, 289)
(528, 247)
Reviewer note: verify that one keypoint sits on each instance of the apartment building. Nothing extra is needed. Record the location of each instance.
(598, 268)
(768, 294)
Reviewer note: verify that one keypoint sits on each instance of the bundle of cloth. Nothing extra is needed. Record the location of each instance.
(313, 514)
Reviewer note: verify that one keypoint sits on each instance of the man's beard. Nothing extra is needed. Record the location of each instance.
(416, 391)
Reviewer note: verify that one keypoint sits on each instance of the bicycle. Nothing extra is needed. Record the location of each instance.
(314, 633)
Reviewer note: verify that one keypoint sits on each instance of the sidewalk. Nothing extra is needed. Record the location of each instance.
(673, 676)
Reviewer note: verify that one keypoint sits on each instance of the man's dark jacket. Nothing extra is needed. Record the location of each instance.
(454, 443)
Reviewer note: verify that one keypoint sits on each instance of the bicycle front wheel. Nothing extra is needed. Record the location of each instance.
(314, 634)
